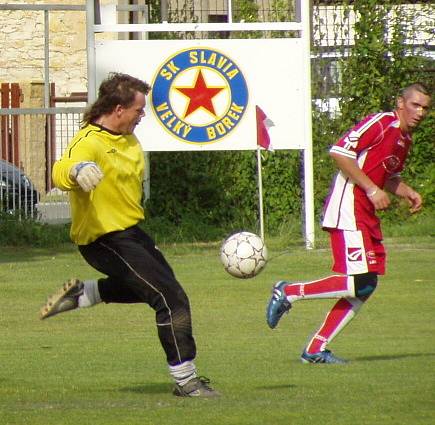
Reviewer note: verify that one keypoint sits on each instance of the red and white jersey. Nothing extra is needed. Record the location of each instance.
(380, 148)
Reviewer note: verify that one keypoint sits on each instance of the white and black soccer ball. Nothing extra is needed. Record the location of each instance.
(244, 255)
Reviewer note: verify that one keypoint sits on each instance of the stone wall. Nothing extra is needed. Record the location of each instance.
(22, 46)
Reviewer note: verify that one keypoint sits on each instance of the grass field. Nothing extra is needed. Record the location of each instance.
(104, 365)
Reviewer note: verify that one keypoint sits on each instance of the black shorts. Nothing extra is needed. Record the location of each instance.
(137, 272)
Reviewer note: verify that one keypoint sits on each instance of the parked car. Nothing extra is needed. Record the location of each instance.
(17, 193)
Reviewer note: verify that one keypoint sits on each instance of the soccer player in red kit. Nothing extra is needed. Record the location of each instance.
(369, 158)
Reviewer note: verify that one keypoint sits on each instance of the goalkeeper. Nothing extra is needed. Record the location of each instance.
(370, 158)
(103, 170)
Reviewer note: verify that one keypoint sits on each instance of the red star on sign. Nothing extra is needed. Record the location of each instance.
(200, 95)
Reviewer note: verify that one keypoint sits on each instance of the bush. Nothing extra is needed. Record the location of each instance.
(18, 231)
(206, 195)
(219, 189)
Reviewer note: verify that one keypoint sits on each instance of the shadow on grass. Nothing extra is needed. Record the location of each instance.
(151, 388)
(277, 387)
(165, 388)
(394, 357)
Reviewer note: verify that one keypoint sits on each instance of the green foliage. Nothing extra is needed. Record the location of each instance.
(325, 130)
(208, 187)
(372, 72)
(365, 72)
(421, 167)
(246, 10)
(190, 229)
(281, 11)
(283, 194)
(380, 62)
(201, 191)
(20, 231)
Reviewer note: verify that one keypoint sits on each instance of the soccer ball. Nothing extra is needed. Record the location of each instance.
(244, 255)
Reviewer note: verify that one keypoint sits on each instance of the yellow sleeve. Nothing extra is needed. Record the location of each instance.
(60, 175)
(80, 149)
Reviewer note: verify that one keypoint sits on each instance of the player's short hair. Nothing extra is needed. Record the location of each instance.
(116, 89)
(420, 87)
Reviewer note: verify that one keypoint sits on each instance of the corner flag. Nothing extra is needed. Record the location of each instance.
(263, 125)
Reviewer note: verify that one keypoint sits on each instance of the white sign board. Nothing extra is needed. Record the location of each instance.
(205, 92)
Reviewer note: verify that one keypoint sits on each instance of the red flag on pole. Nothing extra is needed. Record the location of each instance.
(263, 125)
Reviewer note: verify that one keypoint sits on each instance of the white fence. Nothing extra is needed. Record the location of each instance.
(28, 151)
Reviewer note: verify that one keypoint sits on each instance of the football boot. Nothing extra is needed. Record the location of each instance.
(278, 304)
(196, 387)
(65, 299)
(321, 357)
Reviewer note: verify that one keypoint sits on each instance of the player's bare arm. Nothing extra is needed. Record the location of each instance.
(350, 168)
(396, 186)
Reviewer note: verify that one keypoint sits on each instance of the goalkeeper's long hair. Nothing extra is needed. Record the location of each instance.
(116, 89)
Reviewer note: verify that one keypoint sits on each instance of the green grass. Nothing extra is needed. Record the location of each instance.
(105, 366)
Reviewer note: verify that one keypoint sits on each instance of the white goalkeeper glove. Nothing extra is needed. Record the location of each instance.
(87, 174)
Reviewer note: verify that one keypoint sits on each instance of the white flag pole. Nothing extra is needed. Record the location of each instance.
(230, 11)
(260, 192)
(260, 180)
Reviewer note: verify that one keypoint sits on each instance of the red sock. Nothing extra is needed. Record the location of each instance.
(336, 286)
(339, 316)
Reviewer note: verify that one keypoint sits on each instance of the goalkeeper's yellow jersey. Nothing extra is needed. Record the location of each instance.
(115, 204)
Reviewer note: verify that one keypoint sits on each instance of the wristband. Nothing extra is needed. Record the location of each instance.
(81, 165)
(372, 192)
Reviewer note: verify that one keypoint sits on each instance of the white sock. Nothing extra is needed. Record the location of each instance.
(183, 372)
(90, 296)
